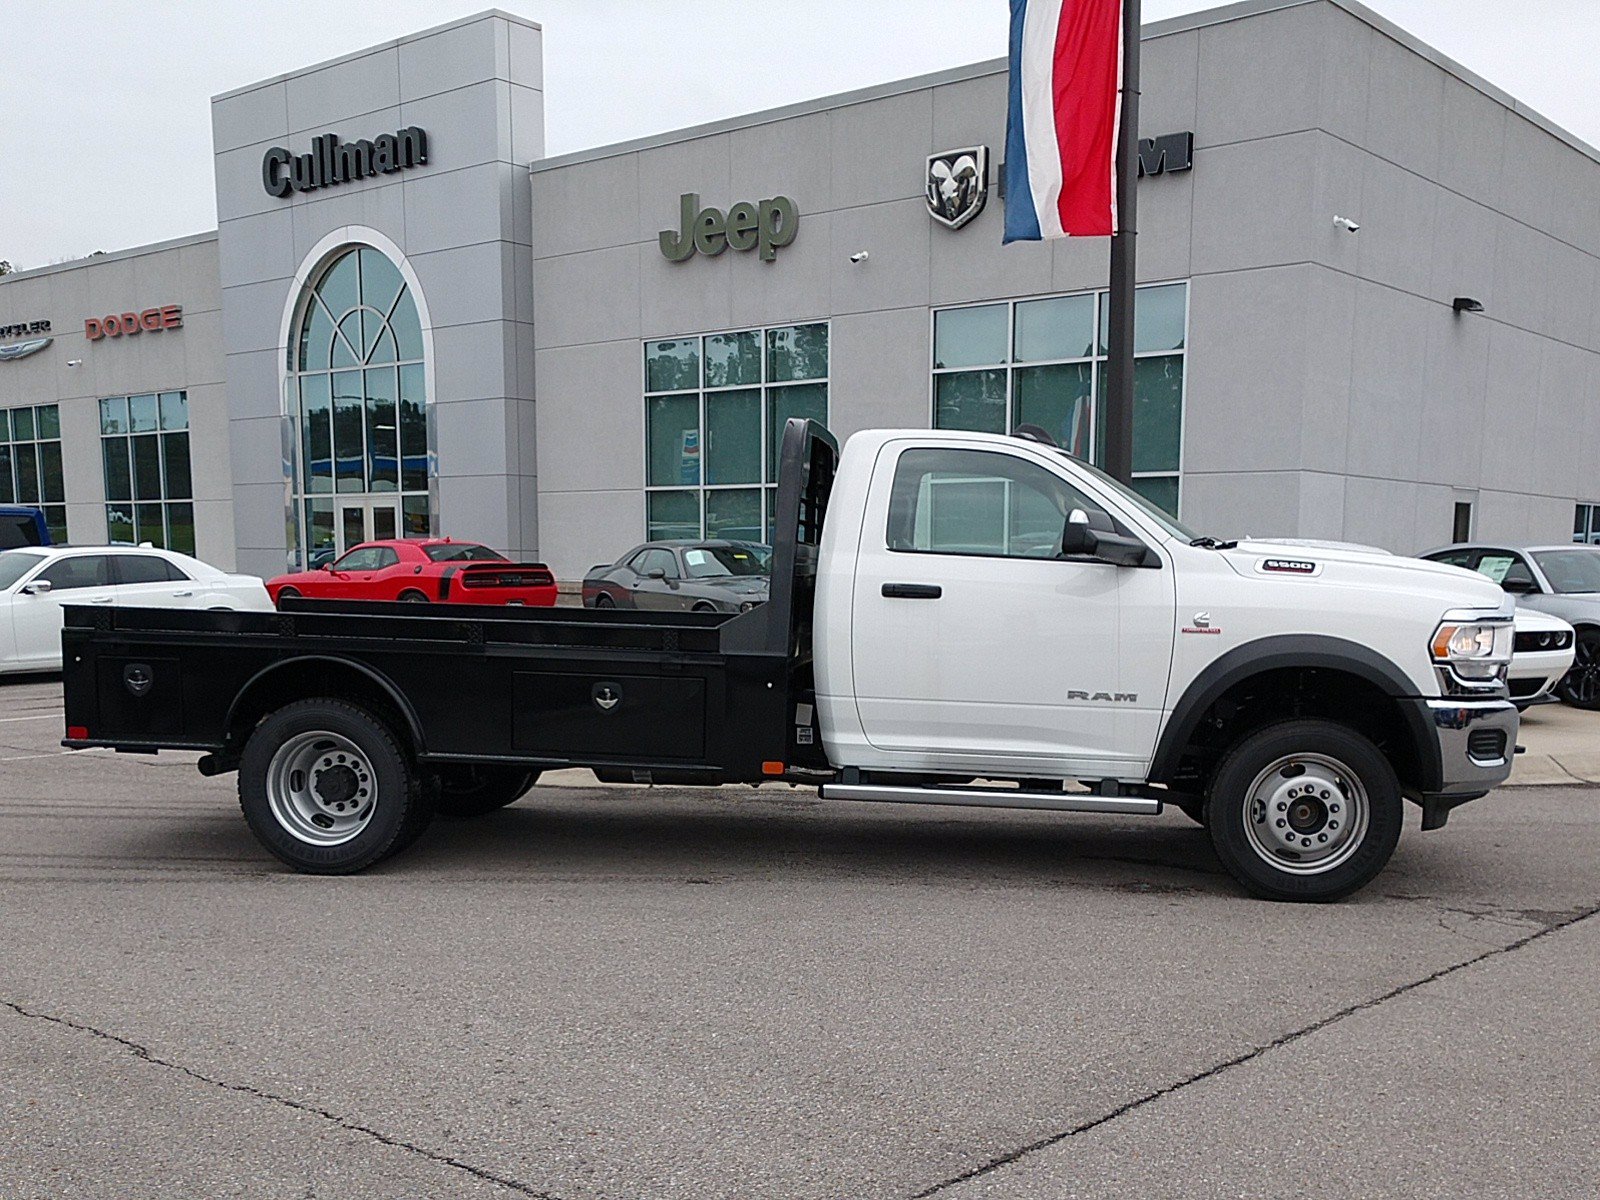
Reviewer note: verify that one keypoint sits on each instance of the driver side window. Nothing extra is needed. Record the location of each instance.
(367, 558)
(659, 560)
(980, 502)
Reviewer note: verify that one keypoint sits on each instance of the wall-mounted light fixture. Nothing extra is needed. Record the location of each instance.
(1466, 304)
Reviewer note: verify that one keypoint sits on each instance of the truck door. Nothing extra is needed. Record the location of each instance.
(975, 642)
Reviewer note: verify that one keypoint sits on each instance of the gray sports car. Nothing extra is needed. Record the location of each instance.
(1563, 581)
(709, 576)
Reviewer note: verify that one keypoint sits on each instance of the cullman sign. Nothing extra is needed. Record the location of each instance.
(331, 161)
(763, 227)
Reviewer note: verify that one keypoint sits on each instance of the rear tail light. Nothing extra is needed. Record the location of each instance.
(78, 733)
(507, 578)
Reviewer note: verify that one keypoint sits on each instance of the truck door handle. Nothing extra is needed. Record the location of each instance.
(182, 595)
(100, 600)
(912, 591)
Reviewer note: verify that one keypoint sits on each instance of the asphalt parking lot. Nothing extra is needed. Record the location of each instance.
(726, 993)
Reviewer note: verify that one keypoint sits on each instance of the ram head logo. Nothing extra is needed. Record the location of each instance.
(958, 185)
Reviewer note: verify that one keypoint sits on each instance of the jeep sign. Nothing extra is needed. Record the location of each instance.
(763, 227)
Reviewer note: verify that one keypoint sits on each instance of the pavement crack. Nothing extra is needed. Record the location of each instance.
(1044, 1143)
(145, 1054)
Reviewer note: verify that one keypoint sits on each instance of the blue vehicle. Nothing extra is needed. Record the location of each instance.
(22, 525)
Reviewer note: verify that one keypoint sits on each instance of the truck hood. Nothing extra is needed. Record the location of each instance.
(1346, 565)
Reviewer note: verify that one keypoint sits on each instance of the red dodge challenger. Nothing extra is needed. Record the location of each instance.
(435, 570)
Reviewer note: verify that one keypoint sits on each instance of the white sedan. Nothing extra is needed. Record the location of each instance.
(1541, 654)
(37, 581)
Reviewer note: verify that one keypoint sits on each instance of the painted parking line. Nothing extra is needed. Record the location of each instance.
(53, 754)
(55, 716)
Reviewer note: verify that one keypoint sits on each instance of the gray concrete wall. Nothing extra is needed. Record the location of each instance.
(1331, 390)
(460, 224)
(182, 272)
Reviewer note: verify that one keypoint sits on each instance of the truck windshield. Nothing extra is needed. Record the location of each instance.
(1570, 571)
(1159, 515)
(708, 562)
(14, 564)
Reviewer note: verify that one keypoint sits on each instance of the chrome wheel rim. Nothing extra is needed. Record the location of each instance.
(1305, 814)
(321, 788)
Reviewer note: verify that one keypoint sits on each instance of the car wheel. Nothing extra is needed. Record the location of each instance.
(326, 788)
(1304, 810)
(1580, 687)
(288, 593)
(471, 791)
(603, 600)
(412, 596)
(703, 606)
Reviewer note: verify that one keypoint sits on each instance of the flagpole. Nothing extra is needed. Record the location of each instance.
(1118, 405)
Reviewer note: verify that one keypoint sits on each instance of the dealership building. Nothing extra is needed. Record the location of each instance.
(1369, 306)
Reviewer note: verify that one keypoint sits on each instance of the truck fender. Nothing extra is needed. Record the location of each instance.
(1288, 651)
(322, 662)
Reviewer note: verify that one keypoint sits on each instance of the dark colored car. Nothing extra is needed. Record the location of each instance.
(435, 570)
(22, 525)
(708, 576)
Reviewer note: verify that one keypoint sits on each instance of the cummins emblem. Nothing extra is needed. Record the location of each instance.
(606, 696)
(136, 677)
(18, 350)
(958, 185)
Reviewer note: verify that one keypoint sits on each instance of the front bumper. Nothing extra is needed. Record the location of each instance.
(1477, 741)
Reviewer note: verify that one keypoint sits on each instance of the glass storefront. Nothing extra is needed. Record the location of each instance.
(144, 449)
(1042, 362)
(30, 463)
(715, 406)
(359, 458)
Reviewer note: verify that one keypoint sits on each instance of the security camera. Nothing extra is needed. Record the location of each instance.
(1346, 224)
(859, 256)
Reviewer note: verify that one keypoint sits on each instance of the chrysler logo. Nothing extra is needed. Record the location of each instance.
(958, 185)
(18, 350)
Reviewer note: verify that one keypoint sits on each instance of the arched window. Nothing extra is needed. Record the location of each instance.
(358, 398)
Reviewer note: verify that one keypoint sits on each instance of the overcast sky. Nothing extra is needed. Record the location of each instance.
(105, 138)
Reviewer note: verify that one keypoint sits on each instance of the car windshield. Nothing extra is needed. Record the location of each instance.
(14, 564)
(1570, 570)
(1159, 515)
(707, 562)
(462, 552)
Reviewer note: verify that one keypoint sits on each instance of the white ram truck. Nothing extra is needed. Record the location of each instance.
(955, 618)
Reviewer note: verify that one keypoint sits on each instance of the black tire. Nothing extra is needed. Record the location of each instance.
(460, 793)
(604, 601)
(1338, 773)
(288, 593)
(704, 606)
(412, 596)
(399, 808)
(1580, 687)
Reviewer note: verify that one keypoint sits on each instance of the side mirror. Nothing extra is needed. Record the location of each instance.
(1080, 537)
(656, 573)
(1076, 537)
(39, 587)
(1520, 587)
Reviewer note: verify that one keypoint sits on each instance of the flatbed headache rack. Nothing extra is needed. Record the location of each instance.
(647, 696)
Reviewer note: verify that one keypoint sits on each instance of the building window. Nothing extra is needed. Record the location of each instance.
(357, 402)
(1586, 524)
(714, 413)
(30, 464)
(144, 444)
(1043, 362)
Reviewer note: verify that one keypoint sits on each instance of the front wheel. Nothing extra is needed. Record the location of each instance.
(604, 601)
(1580, 687)
(469, 791)
(325, 786)
(1305, 810)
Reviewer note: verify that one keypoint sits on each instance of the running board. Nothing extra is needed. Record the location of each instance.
(992, 798)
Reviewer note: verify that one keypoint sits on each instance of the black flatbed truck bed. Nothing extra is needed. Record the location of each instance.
(647, 696)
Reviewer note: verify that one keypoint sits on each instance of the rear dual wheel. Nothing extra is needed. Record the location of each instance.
(1304, 810)
(327, 788)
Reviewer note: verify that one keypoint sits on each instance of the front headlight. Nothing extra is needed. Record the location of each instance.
(1478, 650)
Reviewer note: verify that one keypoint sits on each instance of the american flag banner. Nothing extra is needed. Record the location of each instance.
(1062, 127)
